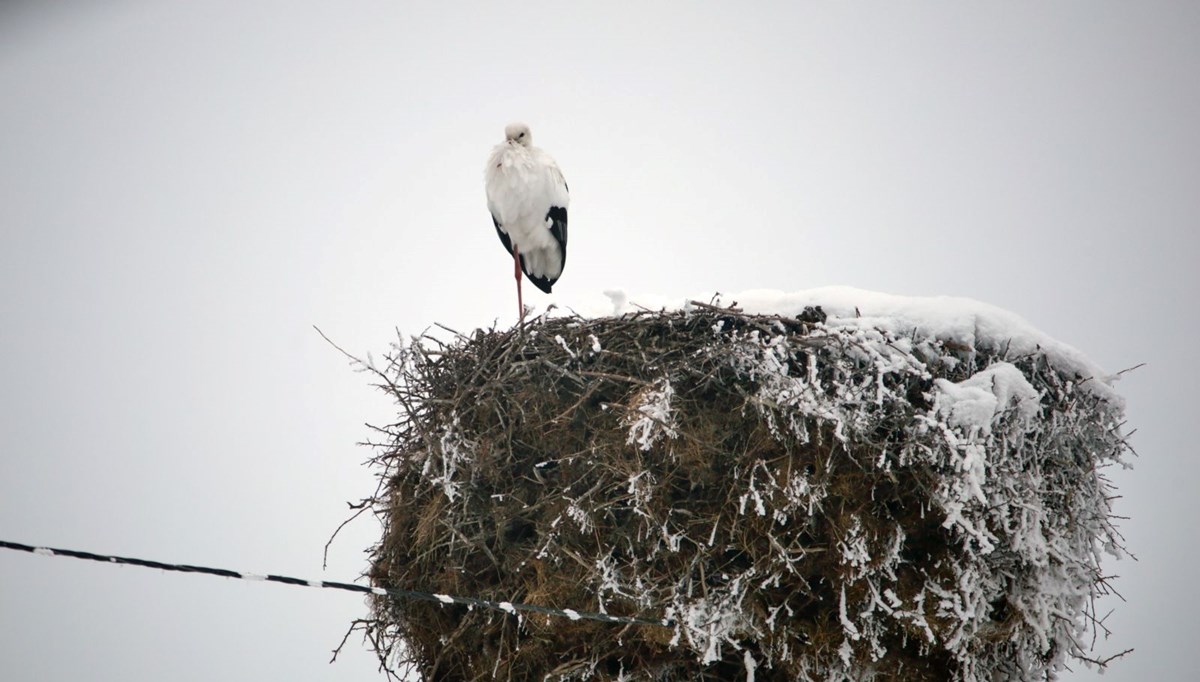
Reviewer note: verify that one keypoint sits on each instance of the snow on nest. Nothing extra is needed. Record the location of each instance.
(961, 321)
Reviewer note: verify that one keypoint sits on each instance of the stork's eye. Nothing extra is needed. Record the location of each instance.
(521, 135)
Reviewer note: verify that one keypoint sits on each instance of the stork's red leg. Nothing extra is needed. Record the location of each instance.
(517, 275)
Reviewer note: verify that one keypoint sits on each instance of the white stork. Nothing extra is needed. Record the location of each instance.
(527, 196)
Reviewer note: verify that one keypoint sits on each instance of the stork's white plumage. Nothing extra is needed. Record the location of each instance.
(528, 199)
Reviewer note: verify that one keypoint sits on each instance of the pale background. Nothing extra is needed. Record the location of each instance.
(186, 188)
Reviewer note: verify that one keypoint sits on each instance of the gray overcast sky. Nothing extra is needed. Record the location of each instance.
(186, 188)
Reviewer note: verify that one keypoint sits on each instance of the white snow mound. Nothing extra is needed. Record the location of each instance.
(964, 322)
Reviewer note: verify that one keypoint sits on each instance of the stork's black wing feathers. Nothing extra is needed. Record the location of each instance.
(557, 215)
(539, 282)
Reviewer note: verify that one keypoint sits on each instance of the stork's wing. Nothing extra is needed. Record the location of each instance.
(560, 198)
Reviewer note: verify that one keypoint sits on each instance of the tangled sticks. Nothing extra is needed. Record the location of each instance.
(795, 499)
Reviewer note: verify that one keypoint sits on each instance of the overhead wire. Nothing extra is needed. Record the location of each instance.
(509, 607)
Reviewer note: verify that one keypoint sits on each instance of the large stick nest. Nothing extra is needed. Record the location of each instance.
(798, 501)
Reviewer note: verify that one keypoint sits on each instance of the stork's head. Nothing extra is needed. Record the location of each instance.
(518, 133)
